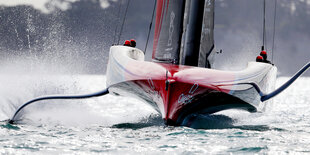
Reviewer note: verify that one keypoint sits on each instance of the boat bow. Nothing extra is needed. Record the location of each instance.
(177, 91)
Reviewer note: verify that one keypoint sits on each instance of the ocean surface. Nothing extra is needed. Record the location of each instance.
(119, 125)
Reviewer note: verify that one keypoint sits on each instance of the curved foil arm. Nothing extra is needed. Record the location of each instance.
(84, 96)
(287, 84)
(265, 97)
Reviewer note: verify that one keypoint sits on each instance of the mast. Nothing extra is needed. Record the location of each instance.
(198, 34)
(193, 33)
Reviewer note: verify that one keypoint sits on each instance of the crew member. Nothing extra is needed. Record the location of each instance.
(259, 59)
(264, 55)
(127, 43)
(133, 43)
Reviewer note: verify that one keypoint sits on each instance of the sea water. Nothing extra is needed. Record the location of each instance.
(120, 125)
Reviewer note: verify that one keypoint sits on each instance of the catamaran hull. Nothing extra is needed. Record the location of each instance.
(177, 92)
(182, 104)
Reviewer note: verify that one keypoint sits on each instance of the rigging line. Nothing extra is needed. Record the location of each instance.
(150, 28)
(274, 28)
(264, 26)
(118, 19)
(122, 27)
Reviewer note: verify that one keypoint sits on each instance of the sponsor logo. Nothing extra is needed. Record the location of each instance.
(188, 98)
(171, 28)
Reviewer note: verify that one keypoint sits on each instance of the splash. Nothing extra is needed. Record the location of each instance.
(47, 6)
(105, 111)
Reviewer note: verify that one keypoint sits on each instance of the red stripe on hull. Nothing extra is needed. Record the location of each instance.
(173, 100)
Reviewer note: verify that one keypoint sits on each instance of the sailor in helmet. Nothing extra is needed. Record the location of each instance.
(263, 57)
